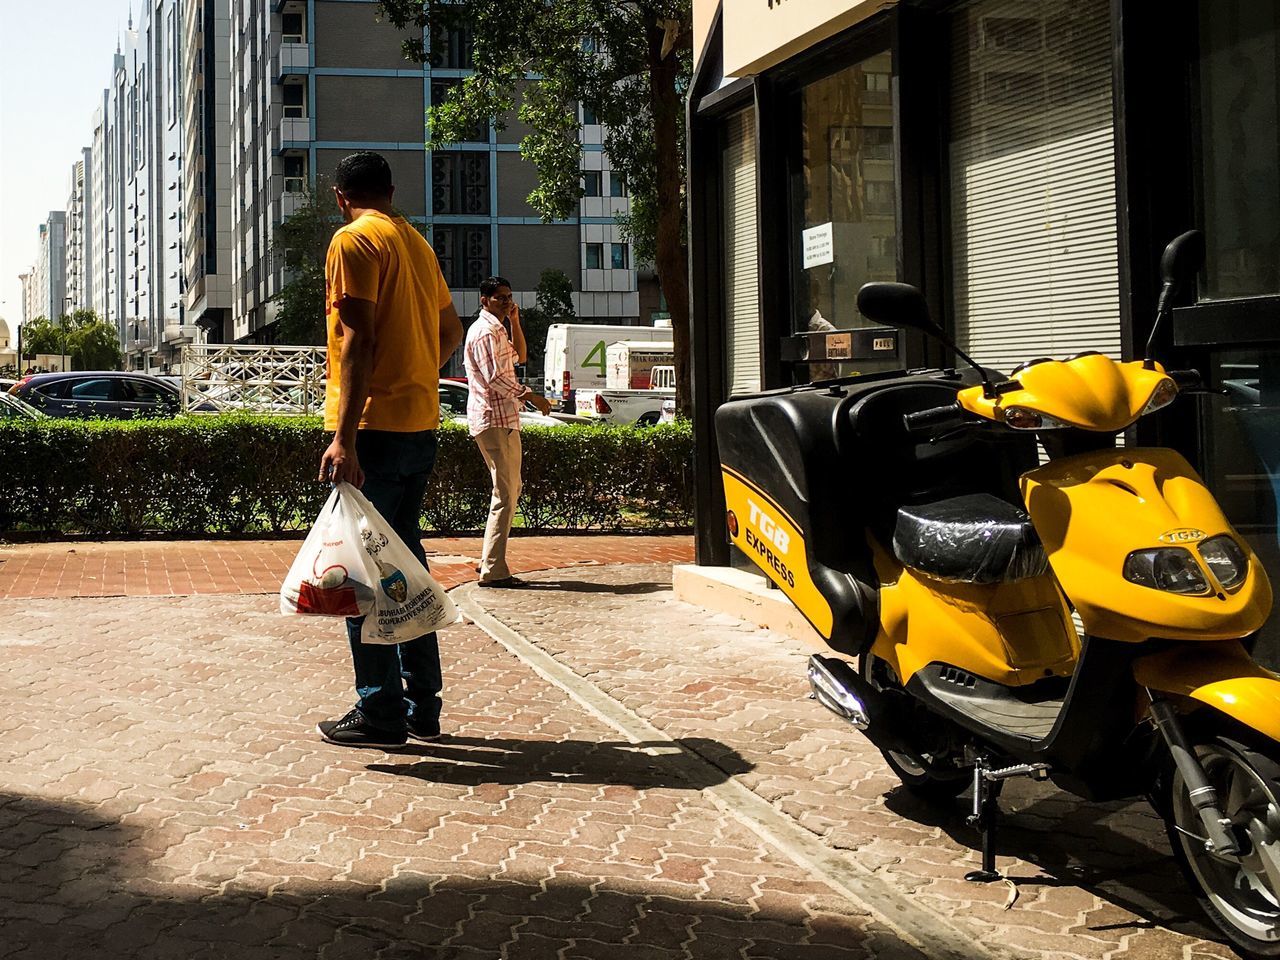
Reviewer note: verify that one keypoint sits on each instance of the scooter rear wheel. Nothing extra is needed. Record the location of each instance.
(918, 777)
(1241, 894)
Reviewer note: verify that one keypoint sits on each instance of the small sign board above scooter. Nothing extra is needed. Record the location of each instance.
(817, 245)
(839, 346)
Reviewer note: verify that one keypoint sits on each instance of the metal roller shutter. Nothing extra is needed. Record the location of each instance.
(741, 253)
(1033, 192)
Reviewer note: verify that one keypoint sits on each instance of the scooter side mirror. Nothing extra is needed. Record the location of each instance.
(1179, 264)
(902, 305)
(1182, 259)
(898, 305)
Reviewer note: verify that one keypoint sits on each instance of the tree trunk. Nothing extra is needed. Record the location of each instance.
(671, 248)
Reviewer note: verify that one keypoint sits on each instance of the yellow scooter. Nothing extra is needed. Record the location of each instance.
(908, 517)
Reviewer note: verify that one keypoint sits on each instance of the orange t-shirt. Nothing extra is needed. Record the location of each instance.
(386, 261)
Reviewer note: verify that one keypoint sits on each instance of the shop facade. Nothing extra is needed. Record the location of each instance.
(1023, 162)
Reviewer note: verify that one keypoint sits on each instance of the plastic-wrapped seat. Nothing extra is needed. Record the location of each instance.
(976, 538)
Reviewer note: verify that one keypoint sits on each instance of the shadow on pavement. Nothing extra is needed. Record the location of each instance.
(578, 586)
(76, 885)
(472, 761)
(1078, 850)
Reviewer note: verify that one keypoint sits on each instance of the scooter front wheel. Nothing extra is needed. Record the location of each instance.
(1241, 894)
(916, 773)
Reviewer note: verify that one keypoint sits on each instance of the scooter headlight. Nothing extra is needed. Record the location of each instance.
(1225, 560)
(1171, 569)
(1163, 395)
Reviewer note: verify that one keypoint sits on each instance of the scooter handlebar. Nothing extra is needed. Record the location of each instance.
(951, 414)
(1184, 378)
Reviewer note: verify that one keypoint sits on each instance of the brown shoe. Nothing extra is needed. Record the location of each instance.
(505, 582)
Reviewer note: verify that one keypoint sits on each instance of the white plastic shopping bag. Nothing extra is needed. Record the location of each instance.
(407, 601)
(331, 575)
(353, 564)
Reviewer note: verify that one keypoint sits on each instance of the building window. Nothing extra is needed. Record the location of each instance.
(295, 173)
(464, 253)
(617, 184)
(439, 94)
(451, 48)
(293, 28)
(844, 219)
(589, 116)
(295, 101)
(460, 182)
(1240, 155)
(1031, 160)
(619, 257)
(595, 256)
(591, 183)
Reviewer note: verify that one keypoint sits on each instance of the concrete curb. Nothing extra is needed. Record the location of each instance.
(934, 935)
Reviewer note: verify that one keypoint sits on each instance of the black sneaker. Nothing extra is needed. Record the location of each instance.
(423, 730)
(354, 730)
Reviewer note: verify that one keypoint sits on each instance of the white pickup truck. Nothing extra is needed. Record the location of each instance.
(640, 407)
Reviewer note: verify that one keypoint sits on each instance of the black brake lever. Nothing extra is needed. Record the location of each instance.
(956, 431)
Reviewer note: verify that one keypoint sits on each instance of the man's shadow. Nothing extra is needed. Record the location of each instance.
(472, 761)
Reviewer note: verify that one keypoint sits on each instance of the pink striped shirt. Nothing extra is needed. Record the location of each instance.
(490, 361)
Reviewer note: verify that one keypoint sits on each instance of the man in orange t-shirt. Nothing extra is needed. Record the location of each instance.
(392, 325)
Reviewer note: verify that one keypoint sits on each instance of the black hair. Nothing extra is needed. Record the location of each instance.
(363, 176)
(489, 286)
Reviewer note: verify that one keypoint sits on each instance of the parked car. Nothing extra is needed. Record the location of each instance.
(643, 408)
(453, 404)
(99, 393)
(11, 408)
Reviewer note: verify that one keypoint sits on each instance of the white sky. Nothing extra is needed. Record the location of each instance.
(55, 60)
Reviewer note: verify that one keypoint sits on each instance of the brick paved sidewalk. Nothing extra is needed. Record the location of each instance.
(164, 796)
(1093, 880)
(178, 568)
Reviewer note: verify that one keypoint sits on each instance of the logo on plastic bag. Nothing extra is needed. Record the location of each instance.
(396, 586)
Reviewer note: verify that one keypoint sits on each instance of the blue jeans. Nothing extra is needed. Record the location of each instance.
(395, 681)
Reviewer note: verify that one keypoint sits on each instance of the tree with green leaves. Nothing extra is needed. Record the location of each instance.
(92, 343)
(40, 335)
(302, 242)
(626, 61)
(554, 305)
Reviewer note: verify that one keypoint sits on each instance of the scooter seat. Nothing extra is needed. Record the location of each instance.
(976, 538)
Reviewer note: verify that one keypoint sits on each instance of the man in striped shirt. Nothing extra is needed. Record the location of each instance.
(493, 416)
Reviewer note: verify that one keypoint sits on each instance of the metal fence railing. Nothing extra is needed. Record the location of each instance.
(224, 378)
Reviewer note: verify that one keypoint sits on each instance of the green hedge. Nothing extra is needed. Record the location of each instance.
(246, 474)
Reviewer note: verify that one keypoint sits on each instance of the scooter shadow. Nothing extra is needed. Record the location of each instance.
(1077, 849)
(473, 761)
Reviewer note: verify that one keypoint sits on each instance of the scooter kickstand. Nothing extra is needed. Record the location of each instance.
(986, 817)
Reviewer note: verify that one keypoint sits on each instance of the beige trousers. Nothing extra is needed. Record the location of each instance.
(500, 448)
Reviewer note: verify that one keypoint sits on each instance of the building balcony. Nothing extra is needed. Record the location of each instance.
(181, 333)
(294, 130)
(292, 58)
(291, 203)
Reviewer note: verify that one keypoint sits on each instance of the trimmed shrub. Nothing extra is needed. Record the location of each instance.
(241, 474)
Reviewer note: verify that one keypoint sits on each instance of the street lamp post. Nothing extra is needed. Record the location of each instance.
(66, 302)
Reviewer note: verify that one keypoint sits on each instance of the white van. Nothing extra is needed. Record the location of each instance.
(577, 355)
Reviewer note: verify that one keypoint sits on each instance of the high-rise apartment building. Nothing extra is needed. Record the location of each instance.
(96, 212)
(29, 301)
(78, 255)
(206, 185)
(142, 201)
(50, 275)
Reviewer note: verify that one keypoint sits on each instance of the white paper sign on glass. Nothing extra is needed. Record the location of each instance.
(817, 245)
